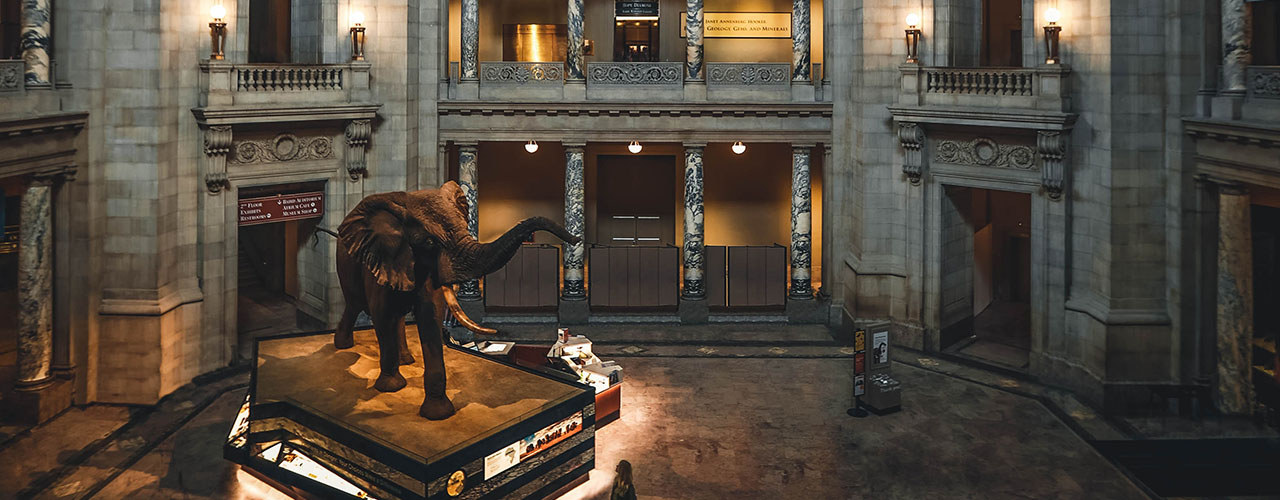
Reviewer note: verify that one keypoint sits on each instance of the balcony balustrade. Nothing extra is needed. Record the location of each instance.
(228, 84)
(1264, 82)
(1041, 89)
(11, 79)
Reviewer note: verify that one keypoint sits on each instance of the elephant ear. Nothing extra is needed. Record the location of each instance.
(374, 235)
(452, 193)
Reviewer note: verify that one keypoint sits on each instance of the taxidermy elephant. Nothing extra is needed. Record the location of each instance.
(401, 252)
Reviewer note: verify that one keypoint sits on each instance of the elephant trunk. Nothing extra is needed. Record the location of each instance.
(473, 259)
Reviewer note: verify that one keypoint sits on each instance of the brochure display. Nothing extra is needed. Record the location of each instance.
(313, 425)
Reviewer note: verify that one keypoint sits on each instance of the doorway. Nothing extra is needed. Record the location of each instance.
(275, 258)
(1265, 220)
(986, 275)
(10, 204)
(1002, 33)
(637, 200)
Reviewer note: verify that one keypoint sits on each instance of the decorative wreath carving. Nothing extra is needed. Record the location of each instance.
(284, 147)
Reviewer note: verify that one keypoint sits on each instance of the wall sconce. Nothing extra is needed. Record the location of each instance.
(634, 147)
(357, 36)
(588, 47)
(1051, 32)
(217, 32)
(531, 147)
(913, 37)
(738, 148)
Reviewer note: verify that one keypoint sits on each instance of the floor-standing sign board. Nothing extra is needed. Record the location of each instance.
(281, 208)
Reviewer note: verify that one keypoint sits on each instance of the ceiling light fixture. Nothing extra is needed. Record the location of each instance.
(531, 147)
(739, 148)
(634, 147)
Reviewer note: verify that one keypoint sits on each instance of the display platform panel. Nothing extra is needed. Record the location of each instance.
(517, 433)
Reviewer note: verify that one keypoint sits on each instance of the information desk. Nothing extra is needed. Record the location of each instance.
(608, 401)
(314, 423)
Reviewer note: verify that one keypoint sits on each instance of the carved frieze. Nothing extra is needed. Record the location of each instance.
(984, 152)
(282, 148)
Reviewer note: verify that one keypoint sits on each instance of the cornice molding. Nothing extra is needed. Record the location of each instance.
(26, 125)
(1264, 135)
(635, 109)
(237, 115)
(984, 117)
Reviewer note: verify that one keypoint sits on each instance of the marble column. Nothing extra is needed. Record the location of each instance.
(800, 40)
(35, 285)
(1234, 395)
(468, 180)
(36, 38)
(574, 221)
(470, 66)
(573, 59)
(801, 285)
(1236, 32)
(693, 39)
(693, 247)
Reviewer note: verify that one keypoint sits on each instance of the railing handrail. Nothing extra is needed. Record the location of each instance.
(12, 75)
(1263, 81)
(522, 72)
(635, 73)
(278, 77)
(749, 73)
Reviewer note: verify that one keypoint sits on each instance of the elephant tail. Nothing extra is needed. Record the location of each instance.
(452, 300)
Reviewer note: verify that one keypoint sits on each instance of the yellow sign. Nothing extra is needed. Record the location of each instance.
(743, 25)
(860, 340)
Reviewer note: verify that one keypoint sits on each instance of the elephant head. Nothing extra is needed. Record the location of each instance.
(403, 238)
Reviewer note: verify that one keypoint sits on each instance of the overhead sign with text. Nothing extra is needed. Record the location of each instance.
(742, 25)
(281, 208)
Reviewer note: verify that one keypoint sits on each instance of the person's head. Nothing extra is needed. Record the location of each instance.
(624, 473)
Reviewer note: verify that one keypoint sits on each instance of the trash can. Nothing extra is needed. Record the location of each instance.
(884, 394)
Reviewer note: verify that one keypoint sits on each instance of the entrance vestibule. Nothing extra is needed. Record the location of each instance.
(272, 259)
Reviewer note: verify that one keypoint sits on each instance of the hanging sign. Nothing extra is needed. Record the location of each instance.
(633, 9)
(280, 208)
(743, 25)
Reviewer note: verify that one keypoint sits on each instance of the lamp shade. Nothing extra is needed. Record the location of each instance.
(913, 19)
(739, 148)
(218, 11)
(357, 18)
(634, 147)
(531, 147)
(1052, 15)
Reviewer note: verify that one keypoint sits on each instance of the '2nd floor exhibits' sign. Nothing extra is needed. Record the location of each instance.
(743, 24)
(280, 208)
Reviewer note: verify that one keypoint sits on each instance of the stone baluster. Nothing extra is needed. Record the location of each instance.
(1234, 394)
(694, 266)
(37, 34)
(693, 40)
(573, 59)
(468, 180)
(35, 286)
(801, 285)
(470, 67)
(1236, 28)
(574, 221)
(800, 40)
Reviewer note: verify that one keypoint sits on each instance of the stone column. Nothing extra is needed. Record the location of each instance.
(35, 285)
(574, 221)
(1236, 31)
(693, 39)
(470, 65)
(573, 59)
(1234, 395)
(801, 286)
(800, 40)
(468, 180)
(36, 37)
(694, 288)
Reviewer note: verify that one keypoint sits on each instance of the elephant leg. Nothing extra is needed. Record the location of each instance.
(385, 325)
(436, 405)
(406, 357)
(343, 337)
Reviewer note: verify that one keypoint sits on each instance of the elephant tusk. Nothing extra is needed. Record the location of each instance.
(452, 300)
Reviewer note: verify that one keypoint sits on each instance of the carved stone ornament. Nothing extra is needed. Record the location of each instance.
(1053, 151)
(984, 152)
(217, 144)
(358, 132)
(911, 136)
(282, 148)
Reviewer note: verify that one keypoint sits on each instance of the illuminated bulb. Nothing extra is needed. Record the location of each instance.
(739, 148)
(913, 19)
(218, 12)
(531, 147)
(634, 147)
(357, 18)
(1052, 15)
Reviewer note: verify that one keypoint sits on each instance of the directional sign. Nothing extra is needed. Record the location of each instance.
(280, 208)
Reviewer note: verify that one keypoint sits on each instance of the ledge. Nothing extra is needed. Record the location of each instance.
(1262, 134)
(635, 108)
(233, 115)
(984, 117)
(31, 124)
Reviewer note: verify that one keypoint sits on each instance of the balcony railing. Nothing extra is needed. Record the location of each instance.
(521, 73)
(749, 74)
(1264, 82)
(228, 84)
(11, 75)
(634, 73)
(1042, 88)
(980, 82)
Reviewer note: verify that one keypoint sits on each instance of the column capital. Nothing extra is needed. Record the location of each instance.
(805, 146)
(695, 144)
(466, 144)
(577, 144)
(1233, 189)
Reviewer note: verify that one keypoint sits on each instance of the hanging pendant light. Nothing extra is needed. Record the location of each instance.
(531, 147)
(739, 148)
(634, 147)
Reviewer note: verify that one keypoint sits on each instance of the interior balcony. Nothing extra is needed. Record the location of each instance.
(269, 92)
(1262, 98)
(992, 96)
